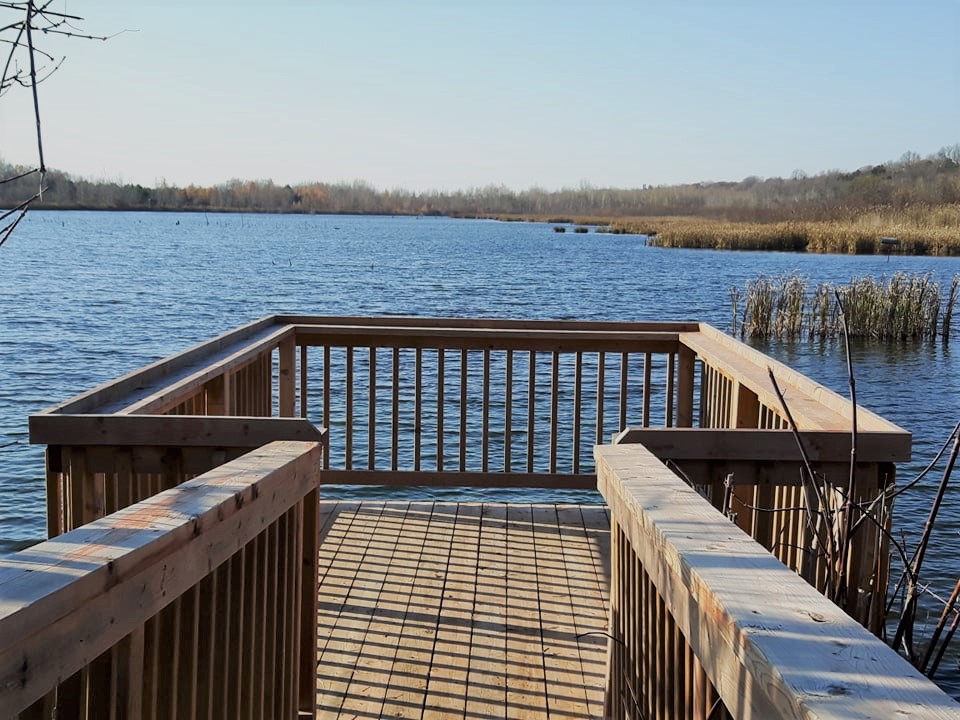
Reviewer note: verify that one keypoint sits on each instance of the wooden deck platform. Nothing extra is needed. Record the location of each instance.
(438, 610)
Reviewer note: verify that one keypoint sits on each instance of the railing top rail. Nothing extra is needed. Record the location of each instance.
(388, 321)
(194, 364)
(770, 643)
(66, 600)
(814, 406)
(450, 337)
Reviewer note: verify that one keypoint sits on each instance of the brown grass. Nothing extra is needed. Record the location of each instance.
(920, 231)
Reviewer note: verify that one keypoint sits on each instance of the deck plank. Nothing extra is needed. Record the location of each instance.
(347, 586)
(561, 655)
(446, 689)
(486, 685)
(406, 688)
(399, 539)
(440, 610)
(526, 688)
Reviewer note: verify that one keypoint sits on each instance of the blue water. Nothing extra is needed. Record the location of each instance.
(88, 296)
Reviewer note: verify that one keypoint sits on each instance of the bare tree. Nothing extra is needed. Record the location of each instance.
(26, 66)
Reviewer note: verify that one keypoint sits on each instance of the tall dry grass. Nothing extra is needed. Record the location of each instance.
(902, 307)
(920, 231)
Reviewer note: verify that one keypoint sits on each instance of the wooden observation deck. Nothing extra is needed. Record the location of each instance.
(199, 566)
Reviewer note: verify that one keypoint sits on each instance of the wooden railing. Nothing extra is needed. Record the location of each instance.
(197, 602)
(706, 624)
(492, 403)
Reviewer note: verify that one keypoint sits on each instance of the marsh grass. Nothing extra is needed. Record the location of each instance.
(936, 232)
(903, 307)
(921, 230)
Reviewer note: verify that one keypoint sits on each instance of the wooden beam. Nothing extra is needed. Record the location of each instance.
(492, 323)
(190, 360)
(769, 642)
(66, 601)
(174, 430)
(487, 338)
(454, 478)
(749, 444)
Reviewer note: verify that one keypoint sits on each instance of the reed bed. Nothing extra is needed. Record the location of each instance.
(855, 237)
(903, 307)
(921, 230)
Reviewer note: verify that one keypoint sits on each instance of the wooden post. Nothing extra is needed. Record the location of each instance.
(287, 378)
(685, 372)
(309, 587)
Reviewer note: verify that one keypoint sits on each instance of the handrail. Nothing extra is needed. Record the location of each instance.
(67, 601)
(700, 613)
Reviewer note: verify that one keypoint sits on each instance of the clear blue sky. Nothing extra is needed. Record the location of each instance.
(446, 95)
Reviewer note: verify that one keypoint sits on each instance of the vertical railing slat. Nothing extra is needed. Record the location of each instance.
(485, 424)
(671, 374)
(372, 412)
(463, 410)
(531, 408)
(326, 400)
(348, 430)
(601, 371)
(395, 411)
(304, 383)
(577, 401)
(647, 375)
(554, 408)
(417, 410)
(508, 413)
(440, 381)
(624, 372)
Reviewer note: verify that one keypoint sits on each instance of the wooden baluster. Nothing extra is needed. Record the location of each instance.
(304, 389)
(601, 369)
(668, 410)
(372, 412)
(508, 412)
(485, 441)
(531, 408)
(326, 400)
(348, 460)
(395, 414)
(577, 401)
(647, 375)
(554, 408)
(417, 415)
(440, 379)
(463, 410)
(624, 380)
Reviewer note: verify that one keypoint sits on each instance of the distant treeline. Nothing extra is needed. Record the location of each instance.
(910, 182)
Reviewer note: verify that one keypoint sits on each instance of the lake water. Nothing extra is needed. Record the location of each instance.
(88, 296)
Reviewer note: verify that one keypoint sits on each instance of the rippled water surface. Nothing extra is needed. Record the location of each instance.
(88, 296)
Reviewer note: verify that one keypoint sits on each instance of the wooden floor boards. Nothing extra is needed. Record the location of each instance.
(476, 611)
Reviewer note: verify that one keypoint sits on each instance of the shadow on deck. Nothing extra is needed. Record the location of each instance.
(480, 610)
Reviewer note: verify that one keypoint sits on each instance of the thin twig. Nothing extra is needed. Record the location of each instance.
(908, 613)
(841, 584)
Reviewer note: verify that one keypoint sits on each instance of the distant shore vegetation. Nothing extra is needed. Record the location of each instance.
(914, 202)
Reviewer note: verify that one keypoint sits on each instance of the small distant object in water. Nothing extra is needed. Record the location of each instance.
(888, 242)
(581, 229)
(178, 222)
(559, 228)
